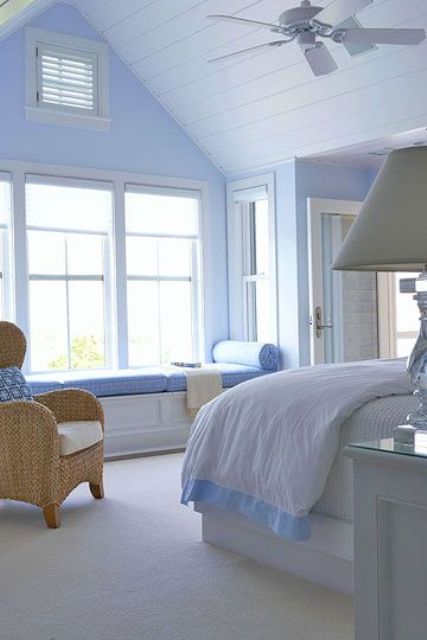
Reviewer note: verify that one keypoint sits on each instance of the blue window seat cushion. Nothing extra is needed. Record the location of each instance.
(127, 382)
(123, 382)
(44, 382)
(232, 374)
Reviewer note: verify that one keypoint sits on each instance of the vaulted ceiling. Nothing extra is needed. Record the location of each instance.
(264, 109)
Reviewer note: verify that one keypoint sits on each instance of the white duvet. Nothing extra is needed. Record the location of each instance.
(265, 447)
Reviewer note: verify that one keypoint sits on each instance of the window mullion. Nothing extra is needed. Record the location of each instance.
(19, 258)
(159, 304)
(119, 330)
(67, 302)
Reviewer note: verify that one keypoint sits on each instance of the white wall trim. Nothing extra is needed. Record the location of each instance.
(235, 254)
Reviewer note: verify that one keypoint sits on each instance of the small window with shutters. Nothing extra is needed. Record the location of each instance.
(67, 80)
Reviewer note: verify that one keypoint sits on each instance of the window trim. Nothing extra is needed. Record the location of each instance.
(19, 308)
(37, 112)
(237, 302)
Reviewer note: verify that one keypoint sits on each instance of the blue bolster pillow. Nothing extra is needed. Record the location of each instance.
(251, 354)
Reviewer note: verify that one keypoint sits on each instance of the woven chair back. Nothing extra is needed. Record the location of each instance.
(13, 345)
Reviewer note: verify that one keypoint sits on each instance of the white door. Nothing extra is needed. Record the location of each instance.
(343, 305)
(353, 315)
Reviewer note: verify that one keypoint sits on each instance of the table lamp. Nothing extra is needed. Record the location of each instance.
(390, 234)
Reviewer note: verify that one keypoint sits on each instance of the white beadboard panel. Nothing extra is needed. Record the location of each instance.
(295, 99)
(148, 19)
(295, 86)
(258, 110)
(172, 34)
(381, 118)
(284, 132)
(112, 12)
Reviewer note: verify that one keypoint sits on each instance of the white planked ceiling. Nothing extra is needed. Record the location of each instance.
(371, 155)
(267, 108)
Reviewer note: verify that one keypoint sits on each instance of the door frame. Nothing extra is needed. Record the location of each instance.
(316, 207)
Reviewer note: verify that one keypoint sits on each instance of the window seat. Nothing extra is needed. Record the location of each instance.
(126, 382)
(146, 409)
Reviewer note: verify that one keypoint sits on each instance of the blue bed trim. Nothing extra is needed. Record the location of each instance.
(282, 523)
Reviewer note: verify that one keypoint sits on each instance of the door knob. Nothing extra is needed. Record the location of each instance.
(318, 324)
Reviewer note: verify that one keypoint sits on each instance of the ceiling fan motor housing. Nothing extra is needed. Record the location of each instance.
(299, 17)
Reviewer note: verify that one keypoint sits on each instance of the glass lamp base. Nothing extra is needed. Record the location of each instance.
(417, 369)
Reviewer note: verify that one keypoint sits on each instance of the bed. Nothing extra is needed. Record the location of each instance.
(326, 556)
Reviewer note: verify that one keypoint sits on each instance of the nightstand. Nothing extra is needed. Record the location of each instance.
(390, 539)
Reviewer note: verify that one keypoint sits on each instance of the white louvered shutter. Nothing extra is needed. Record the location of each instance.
(67, 79)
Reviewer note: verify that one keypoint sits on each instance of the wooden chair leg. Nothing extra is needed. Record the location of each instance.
(97, 490)
(52, 516)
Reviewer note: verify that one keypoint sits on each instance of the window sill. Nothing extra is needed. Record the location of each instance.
(46, 116)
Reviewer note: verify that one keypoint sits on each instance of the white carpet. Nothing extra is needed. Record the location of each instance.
(133, 567)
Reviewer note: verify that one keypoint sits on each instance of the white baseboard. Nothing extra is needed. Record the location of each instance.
(145, 423)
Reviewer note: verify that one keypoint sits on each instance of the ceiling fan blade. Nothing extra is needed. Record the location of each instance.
(340, 10)
(384, 36)
(355, 48)
(320, 60)
(248, 23)
(276, 43)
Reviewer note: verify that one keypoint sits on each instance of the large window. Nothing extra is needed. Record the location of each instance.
(68, 239)
(162, 248)
(5, 210)
(100, 270)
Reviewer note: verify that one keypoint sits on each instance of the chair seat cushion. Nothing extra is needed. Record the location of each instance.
(76, 436)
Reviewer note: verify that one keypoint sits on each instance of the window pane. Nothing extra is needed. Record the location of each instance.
(87, 348)
(46, 253)
(262, 237)
(175, 257)
(161, 214)
(85, 254)
(5, 200)
(407, 314)
(176, 326)
(143, 323)
(68, 207)
(263, 314)
(48, 329)
(141, 256)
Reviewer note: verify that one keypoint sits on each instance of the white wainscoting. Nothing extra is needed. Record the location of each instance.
(145, 423)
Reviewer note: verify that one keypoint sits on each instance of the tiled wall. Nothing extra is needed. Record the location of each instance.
(360, 316)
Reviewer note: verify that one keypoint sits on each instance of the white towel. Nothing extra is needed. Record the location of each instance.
(203, 385)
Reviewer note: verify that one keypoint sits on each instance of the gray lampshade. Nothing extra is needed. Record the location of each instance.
(390, 232)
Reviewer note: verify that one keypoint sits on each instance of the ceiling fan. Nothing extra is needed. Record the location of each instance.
(306, 23)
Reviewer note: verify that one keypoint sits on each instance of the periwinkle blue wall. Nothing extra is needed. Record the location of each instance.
(143, 138)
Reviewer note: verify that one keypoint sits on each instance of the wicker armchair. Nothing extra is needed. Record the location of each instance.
(32, 468)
